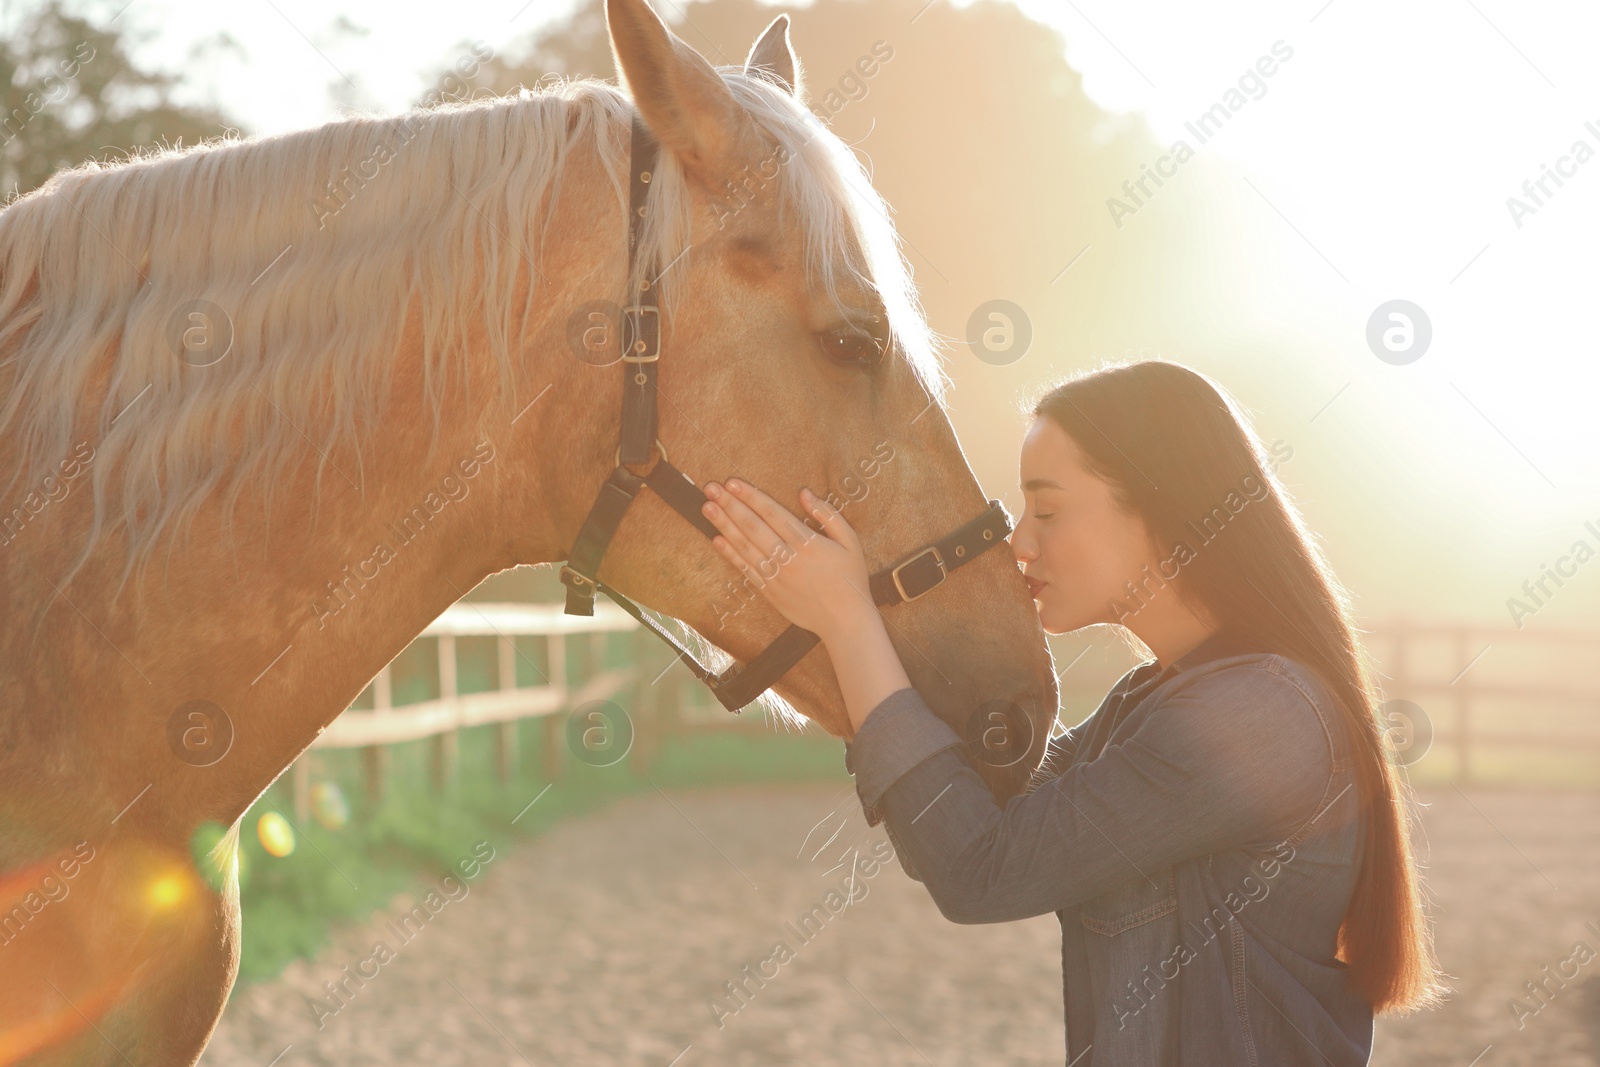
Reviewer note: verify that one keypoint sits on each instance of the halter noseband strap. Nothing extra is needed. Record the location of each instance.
(739, 685)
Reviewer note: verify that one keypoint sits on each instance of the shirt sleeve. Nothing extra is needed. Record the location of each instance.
(896, 735)
(1237, 756)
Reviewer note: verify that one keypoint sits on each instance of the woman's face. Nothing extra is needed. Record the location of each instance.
(1075, 544)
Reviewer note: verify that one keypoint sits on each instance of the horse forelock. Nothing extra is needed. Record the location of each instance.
(844, 221)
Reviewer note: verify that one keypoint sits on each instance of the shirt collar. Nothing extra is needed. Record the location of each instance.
(1221, 644)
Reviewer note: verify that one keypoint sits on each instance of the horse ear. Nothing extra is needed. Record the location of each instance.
(772, 57)
(683, 100)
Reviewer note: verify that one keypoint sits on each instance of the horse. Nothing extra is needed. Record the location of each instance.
(270, 405)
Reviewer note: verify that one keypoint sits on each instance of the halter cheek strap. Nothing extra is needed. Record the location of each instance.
(910, 578)
(641, 321)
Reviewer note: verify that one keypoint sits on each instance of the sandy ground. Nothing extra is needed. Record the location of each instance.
(1515, 878)
(610, 939)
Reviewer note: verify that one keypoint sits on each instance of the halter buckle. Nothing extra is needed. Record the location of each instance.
(634, 314)
(920, 558)
(571, 577)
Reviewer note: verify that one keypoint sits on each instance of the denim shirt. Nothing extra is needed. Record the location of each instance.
(1197, 837)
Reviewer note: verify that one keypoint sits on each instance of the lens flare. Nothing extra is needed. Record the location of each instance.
(168, 890)
(275, 834)
(329, 806)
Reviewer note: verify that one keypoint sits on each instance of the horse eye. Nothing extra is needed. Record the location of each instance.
(852, 347)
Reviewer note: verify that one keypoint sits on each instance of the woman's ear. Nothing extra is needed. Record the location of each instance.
(683, 100)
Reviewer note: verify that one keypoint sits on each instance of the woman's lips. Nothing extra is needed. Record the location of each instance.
(1034, 586)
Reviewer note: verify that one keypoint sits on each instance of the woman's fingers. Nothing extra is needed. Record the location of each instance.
(743, 552)
(829, 517)
(752, 540)
(743, 555)
(762, 534)
(764, 520)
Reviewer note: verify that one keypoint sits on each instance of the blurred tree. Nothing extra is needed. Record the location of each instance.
(69, 92)
(1000, 171)
(996, 164)
(575, 47)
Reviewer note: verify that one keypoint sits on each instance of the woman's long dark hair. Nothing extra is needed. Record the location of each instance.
(1177, 453)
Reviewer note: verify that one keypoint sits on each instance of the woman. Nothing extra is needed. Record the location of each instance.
(1224, 839)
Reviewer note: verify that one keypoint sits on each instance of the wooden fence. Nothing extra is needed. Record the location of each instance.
(1459, 675)
(558, 689)
(1456, 674)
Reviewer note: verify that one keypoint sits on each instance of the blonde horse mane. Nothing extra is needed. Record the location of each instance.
(307, 249)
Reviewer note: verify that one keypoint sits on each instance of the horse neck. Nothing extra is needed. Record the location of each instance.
(281, 617)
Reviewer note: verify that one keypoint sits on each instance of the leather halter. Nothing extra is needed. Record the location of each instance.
(739, 685)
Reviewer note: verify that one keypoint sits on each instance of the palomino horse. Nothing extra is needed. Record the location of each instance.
(270, 406)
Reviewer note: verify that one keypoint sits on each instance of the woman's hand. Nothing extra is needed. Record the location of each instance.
(817, 581)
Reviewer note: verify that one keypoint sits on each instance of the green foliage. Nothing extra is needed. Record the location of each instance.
(417, 833)
(70, 92)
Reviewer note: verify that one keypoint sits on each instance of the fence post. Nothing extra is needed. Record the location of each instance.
(505, 733)
(375, 758)
(300, 787)
(1399, 664)
(446, 745)
(646, 706)
(1463, 697)
(553, 725)
(585, 658)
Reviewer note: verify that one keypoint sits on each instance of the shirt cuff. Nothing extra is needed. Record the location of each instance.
(897, 735)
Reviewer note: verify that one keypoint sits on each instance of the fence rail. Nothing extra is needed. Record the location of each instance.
(440, 719)
(1468, 683)
(387, 724)
(1454, 698)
